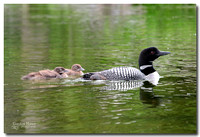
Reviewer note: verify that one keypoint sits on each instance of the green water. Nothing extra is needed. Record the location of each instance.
(99, 37)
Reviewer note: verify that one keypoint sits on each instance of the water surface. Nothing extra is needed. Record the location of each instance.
(99, 37)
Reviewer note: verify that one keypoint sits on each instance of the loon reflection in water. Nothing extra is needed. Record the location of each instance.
(147, 95)
(146, 90)
(122, 85)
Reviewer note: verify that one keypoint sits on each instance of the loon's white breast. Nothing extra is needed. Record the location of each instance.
(153, 77)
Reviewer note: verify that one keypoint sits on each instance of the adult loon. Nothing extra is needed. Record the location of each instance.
(146, 72)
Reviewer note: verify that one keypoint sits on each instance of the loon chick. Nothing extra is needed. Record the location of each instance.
(146, 72)
(76, 70)
(58, 72)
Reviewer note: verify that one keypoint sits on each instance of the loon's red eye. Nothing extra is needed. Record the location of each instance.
(152, 52)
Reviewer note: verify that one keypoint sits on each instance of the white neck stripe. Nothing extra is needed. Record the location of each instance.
(145, 66)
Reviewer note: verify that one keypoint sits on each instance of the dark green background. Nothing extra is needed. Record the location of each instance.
(99, 37)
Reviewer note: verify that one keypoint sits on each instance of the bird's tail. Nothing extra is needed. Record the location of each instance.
(87, 76)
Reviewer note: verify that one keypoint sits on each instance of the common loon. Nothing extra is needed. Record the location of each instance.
(146, 72)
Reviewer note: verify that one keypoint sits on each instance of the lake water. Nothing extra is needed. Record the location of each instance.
(99, 37)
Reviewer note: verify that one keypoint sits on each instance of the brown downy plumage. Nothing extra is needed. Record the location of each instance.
(58, 72)
(76, 70)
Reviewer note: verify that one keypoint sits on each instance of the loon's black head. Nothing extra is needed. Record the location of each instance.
(147, 56)
(150, 54)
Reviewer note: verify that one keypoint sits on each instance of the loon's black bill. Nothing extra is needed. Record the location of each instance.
(162, 53)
